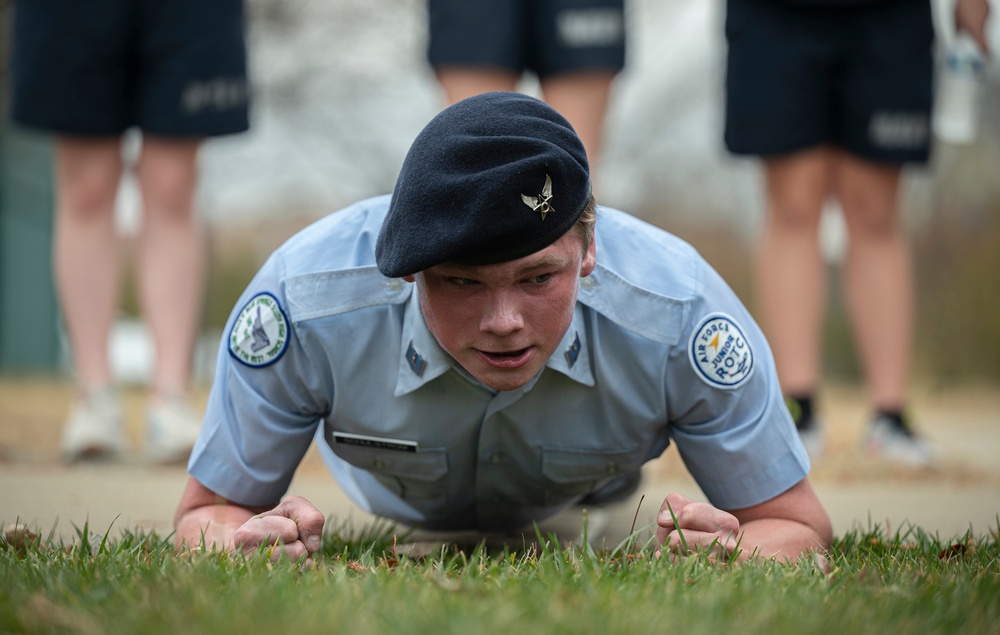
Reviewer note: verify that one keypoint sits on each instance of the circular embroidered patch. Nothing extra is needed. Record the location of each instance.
(720, 353)
(260, 334)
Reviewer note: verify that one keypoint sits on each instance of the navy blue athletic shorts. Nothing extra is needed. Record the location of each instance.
(97, 68)
(858, 76)
(547, 37)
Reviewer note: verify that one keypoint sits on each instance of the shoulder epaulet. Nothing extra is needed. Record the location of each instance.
(645, 313)
(325, 293)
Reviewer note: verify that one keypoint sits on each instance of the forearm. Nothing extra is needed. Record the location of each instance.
(215, 525)
(783, 539)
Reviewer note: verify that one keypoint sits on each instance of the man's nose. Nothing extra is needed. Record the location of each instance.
(502, 315)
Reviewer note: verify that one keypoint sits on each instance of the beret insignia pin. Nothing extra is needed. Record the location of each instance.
(542, 203)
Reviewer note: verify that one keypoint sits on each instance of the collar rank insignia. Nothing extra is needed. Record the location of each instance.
(543, 203)
(417, 363)
(573, 351)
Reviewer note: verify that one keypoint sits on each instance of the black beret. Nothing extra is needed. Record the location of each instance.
(491, 178)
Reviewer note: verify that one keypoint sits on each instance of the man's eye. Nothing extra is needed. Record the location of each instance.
(461, 282)
(540, 278)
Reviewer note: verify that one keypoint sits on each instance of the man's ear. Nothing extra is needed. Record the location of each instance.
(412, 278)
(589, 258)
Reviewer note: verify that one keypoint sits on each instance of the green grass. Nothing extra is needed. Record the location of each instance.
(906, 583)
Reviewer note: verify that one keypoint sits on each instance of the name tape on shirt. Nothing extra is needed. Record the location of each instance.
(259, 335)
(720, 354)
(382, 443)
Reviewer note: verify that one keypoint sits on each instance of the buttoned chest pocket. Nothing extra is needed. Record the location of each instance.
(570, 474)
(416, 477)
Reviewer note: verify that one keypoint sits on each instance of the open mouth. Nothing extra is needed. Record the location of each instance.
(506, 359)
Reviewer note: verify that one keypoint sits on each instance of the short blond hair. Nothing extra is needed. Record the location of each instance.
(584, 226)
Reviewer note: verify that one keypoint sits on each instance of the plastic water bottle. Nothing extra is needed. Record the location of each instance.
(960, 91)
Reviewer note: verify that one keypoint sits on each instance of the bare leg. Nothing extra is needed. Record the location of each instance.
(583, 99)
(87, 254)
(171, 258)
(877, 277)
(791, 275)
(460, 82)
(87, 259)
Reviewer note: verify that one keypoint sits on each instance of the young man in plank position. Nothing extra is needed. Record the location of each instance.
(486, 348)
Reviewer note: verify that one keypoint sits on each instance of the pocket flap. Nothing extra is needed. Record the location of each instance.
(426, 464)
(562, 465)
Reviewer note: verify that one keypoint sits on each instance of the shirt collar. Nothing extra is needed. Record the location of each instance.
(421, 358)
(572, 357)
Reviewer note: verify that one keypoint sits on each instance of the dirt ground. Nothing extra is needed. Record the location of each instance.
(961, 493)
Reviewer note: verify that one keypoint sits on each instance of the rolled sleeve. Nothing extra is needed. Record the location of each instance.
(737, 440)
(260, 421)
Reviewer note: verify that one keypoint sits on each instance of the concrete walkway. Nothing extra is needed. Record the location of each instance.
(963, 493)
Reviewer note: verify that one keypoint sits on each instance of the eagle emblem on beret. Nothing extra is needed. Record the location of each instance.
(542, 203)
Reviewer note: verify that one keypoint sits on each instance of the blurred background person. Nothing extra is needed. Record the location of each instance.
(835, 97)
(87, 72)
(574, 47)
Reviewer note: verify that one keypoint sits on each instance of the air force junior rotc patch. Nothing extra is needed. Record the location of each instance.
(260, 333)
(720, 353)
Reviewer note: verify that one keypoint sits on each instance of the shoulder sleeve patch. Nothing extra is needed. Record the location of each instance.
(719, 352)
(259, 335)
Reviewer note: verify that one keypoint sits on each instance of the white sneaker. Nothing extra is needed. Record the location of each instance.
(812, 437)
(172, 429)
(894, 442)
(94, 428)
(808, 427)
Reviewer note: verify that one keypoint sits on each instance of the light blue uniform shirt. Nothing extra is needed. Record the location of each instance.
(659, 350)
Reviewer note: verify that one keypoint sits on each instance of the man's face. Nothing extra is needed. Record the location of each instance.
(502, 322)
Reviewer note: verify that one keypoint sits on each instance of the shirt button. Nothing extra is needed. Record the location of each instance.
(588, 283)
